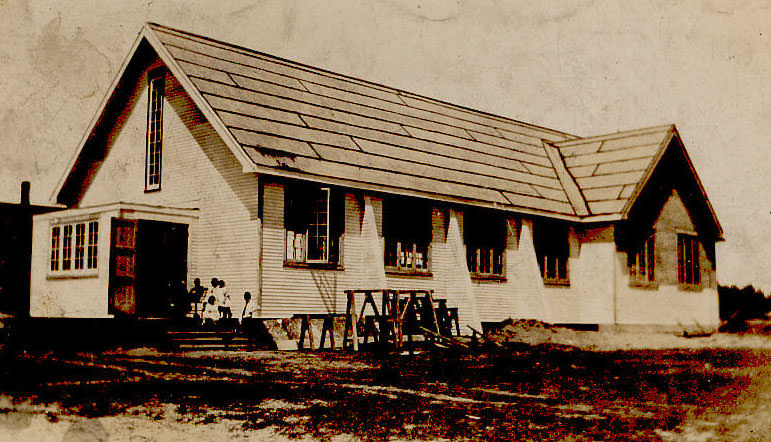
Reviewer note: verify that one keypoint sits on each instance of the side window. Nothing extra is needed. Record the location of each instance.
(641, 261)
(407, 233)
(154, 132)
(552, 249)
(688, 266)
(73, 249)
(313, 224)
(485, 236)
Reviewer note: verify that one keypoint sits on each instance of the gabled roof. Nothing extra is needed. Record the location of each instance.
(284, 118)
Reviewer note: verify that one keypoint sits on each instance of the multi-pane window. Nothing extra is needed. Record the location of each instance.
(74, 248)
(93, 239)
(80, 237)
(55, 238)
(552, 248)
(313, 224)
(67, 247)
(407, 232)
(154, 133)
(688, 268)
(485, 235)
(641, 261)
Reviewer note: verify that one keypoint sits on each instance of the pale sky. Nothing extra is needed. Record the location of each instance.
(587, 68)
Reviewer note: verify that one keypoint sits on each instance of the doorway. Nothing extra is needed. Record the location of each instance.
(149, 262)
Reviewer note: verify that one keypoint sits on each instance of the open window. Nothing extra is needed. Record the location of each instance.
(641, 261)
(314, 223)
(688, 264)
(407, 232)
(485, 237)
(552, 248)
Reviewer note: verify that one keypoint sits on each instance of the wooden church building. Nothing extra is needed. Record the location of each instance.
(207, 159)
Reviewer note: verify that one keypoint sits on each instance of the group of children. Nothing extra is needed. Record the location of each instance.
(216, 302)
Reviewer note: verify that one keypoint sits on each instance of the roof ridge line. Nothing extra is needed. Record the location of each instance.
(568, 182)
(570, 136)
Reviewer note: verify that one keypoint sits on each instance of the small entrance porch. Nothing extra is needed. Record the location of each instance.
(113, 261)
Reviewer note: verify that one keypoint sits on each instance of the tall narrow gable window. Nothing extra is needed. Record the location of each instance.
(641, 261)
(313, 223)
(688, 267)
(154, 132)
(74, 249)
(407, 231)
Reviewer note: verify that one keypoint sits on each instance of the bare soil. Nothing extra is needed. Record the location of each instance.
(541, 383)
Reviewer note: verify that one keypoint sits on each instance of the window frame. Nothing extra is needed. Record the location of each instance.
(156, 85)
(328, 260)
(475, 246)
(67, 249)
(399, 204)
(561, 261)
(641, 263)
(688, 271)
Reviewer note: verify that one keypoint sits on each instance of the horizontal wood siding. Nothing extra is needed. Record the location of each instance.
(198, 171)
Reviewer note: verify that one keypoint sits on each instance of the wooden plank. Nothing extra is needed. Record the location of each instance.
(477, 146)
(423, 170)
(636, 140)
(426, 146)
(429, 158)
(616, 155)
(254, 110)
(397, 181)
(279, 67)
(497, 140)
(603, 193)
(583, 171)
(627, 191)
(553, 194)
(539, 203)
(275, 143)
(482, 119)
(345, 106)
(567, 180)
(286, 130)
(580, 149)
(623, 166)
(184, 55)
(195, 70)
(610, 206)
(400, 108)
(617, 179)
(540, 170)
(617, 135)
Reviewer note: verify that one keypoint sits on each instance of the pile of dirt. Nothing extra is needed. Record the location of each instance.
(529, 331)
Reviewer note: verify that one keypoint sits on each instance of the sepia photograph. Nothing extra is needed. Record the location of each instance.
(391, 220)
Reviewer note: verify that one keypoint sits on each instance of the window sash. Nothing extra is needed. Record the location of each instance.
(554, 269)
(688, 262)
(642, 262)
(407, 255)
(485, 261)
(308, 239)
(154, 133)
(74, 248)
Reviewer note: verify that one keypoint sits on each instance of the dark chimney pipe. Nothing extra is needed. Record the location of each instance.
(24, 193)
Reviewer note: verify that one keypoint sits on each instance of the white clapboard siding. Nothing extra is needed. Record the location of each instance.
(198, 171)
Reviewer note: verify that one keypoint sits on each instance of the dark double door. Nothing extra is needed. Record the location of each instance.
(148, 262)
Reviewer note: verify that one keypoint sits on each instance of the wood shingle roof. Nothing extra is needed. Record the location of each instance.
(285, 118)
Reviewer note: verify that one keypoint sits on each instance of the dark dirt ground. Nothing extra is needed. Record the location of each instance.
(520, 392)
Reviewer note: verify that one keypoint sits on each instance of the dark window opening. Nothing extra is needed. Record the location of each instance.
(552, 249)
(485, 236)
(407, 232)
(688, 268)
(641, 261)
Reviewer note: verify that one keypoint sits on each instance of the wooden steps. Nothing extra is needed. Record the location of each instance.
(194, 337)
